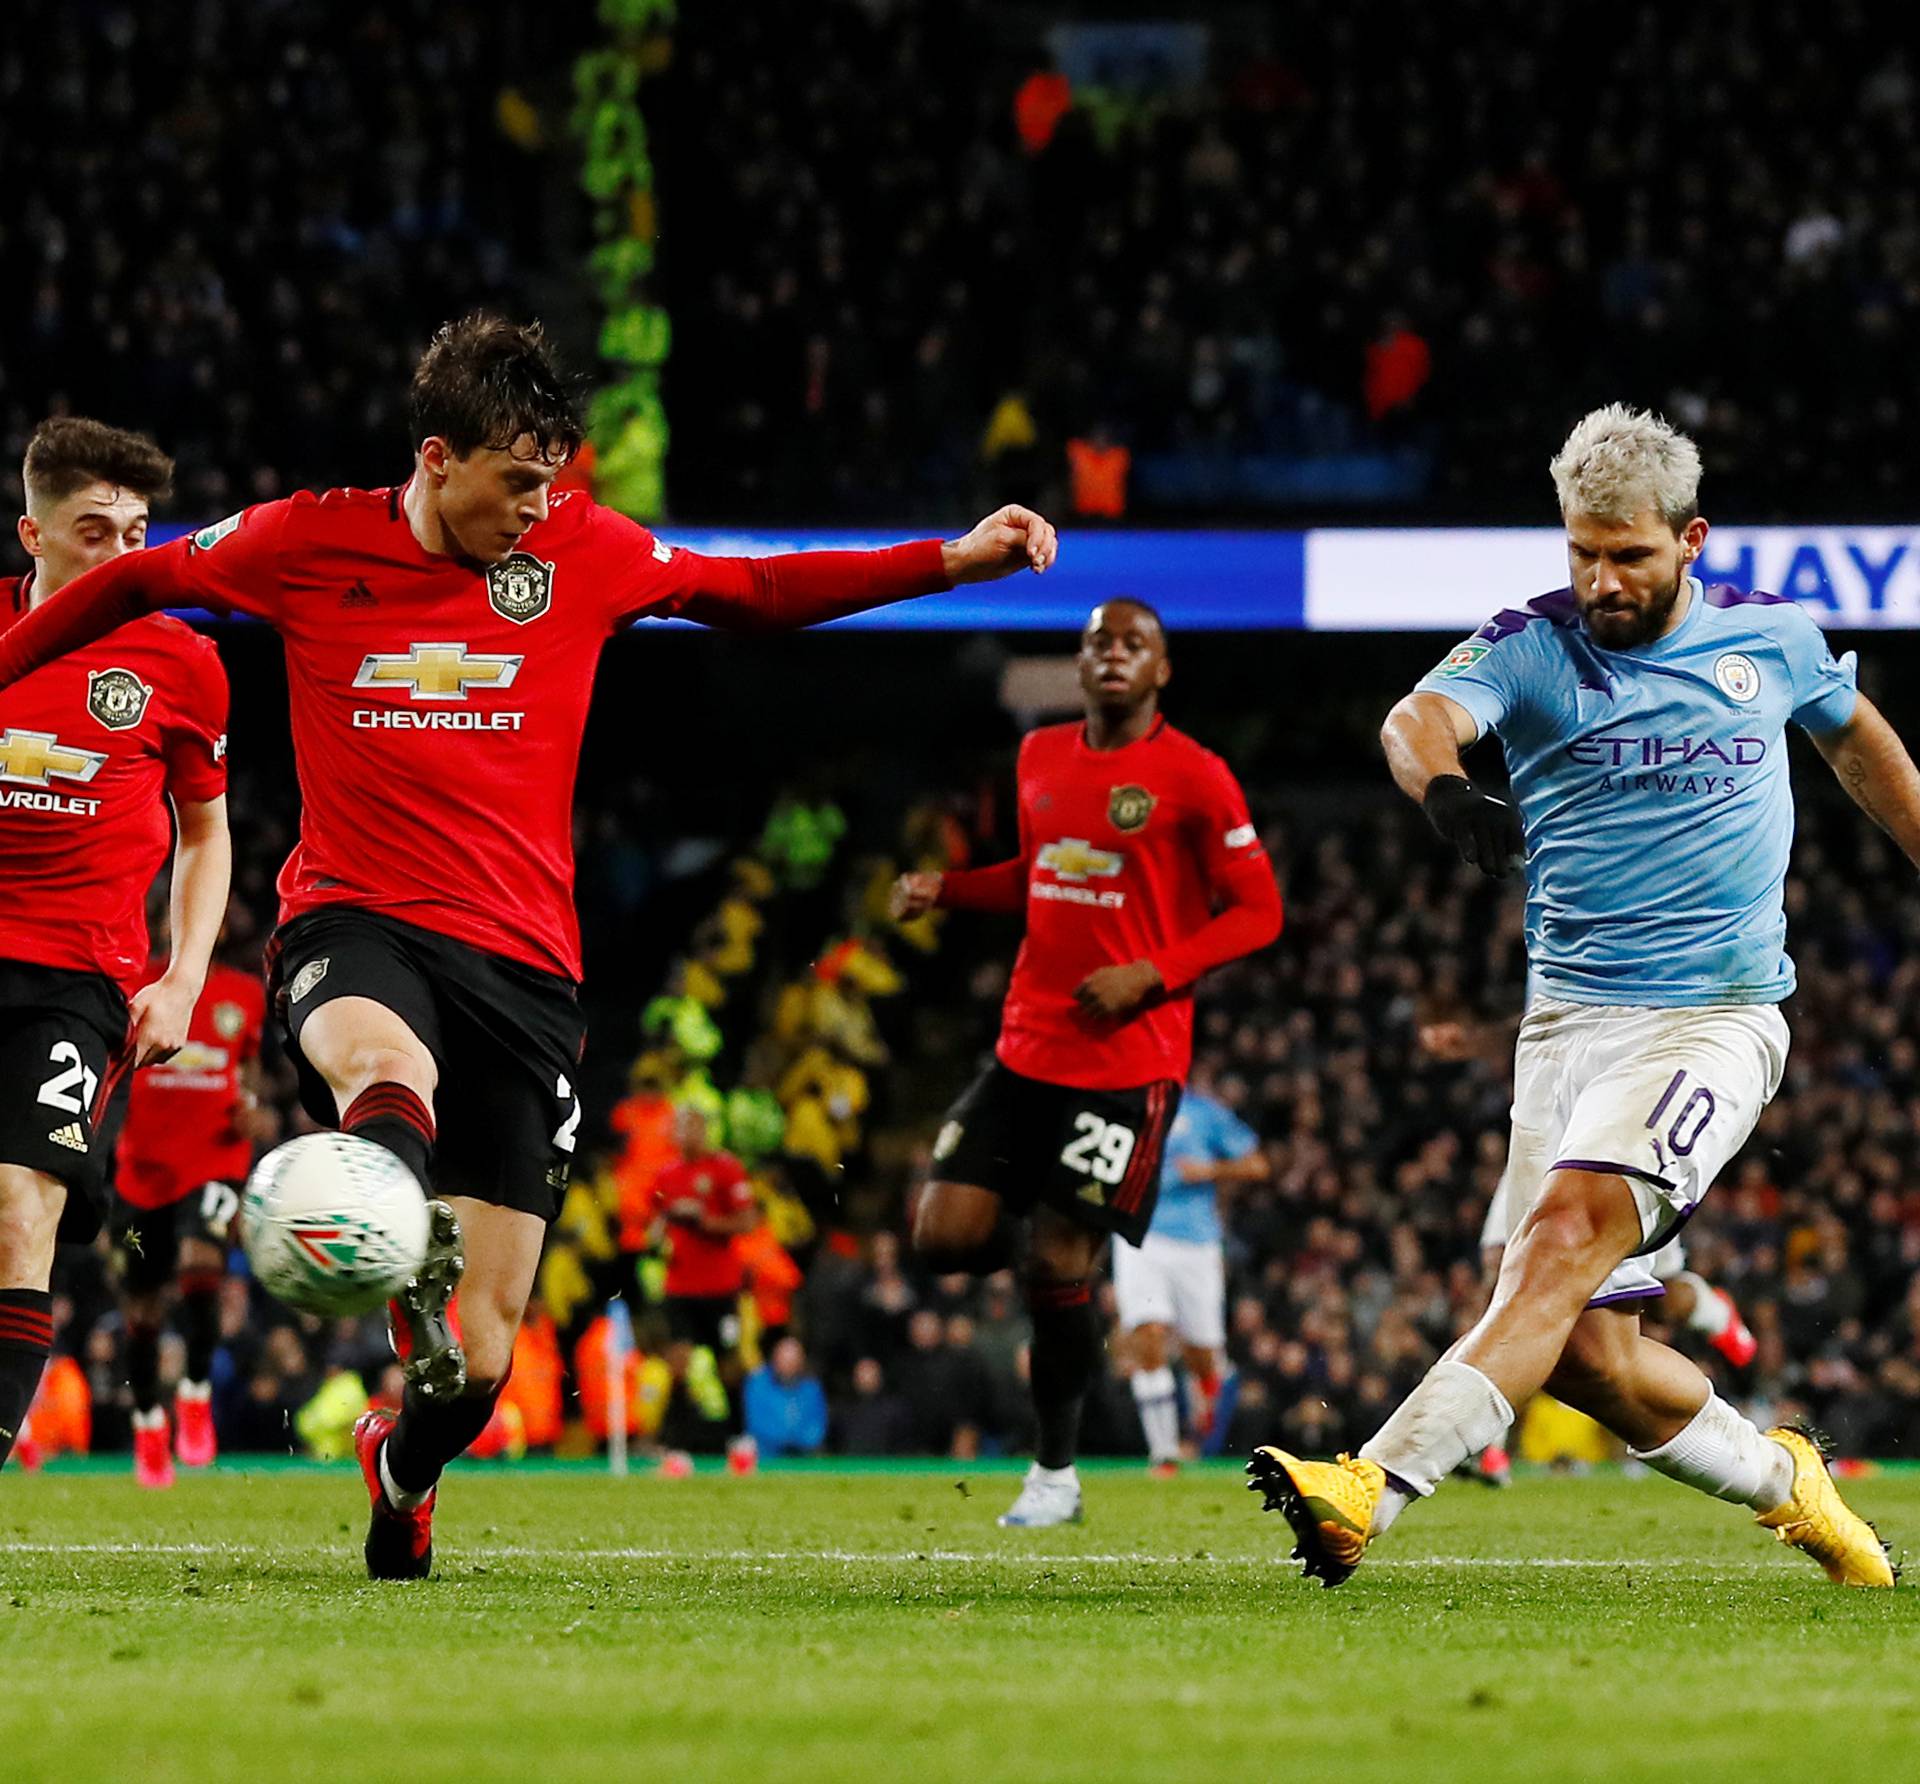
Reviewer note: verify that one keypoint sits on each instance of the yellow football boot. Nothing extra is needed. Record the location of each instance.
(1819, 1521)
(1329, 1506)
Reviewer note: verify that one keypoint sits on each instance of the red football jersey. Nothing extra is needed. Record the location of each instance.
(182, 1117)
(438, 706)
(698, 1262)
(90, 747)
(1140, 853)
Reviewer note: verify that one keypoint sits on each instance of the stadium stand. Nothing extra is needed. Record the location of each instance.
(253, 279)
(1351, 265)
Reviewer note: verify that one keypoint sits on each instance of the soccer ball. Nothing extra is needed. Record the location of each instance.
(333, 1224)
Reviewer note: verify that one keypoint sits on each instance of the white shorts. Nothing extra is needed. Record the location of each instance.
(1173, 1282)
(1663, 1098)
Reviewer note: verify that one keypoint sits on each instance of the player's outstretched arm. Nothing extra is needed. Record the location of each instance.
(1011, 538)
(202, 874)
(807, 588)
(1874, 767)
(1423, 738)
(91, 606)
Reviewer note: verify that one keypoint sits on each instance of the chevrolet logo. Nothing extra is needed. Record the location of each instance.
(1074, 858)
(437, 671)
(33, 758)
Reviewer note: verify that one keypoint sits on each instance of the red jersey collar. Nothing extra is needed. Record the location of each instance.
(1152, 731)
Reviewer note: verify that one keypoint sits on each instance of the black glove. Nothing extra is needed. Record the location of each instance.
(1484, 829)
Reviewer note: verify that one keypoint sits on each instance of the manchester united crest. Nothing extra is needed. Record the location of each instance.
(521, 588)
(228, 1020)
(117, 698)
(1129, 808)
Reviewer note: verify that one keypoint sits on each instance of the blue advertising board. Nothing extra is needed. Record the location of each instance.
(1400, 579)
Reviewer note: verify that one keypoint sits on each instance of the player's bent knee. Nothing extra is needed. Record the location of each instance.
(1576, 1216)
(947, 1226)
(1151, 1345)
(30, 1206)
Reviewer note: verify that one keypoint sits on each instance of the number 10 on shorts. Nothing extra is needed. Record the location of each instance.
(1690, 1118)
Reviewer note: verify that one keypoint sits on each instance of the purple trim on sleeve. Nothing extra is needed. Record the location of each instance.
(1724, 594)
(1503, 625)
(1607, 1167)
(1558, 608)
(1406, 1488)
(1621, 1296)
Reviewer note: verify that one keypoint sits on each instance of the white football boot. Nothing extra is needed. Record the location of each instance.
(1048, 1496)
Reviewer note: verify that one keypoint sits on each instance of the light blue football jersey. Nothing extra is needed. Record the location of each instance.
(1205, 1130)
(1654, 789)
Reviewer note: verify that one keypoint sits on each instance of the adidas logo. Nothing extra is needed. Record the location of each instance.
(359, 596)
(72, 1136)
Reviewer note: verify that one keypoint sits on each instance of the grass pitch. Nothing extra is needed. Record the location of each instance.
(824, 1626)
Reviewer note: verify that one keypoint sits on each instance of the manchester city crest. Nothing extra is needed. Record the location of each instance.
(521, 588)
(1128, 808)
(117, 698)
(1738, 676)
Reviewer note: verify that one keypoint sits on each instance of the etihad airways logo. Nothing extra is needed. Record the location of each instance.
(445, 673)
(29, 763)
(1616, 751)
(1073, 860)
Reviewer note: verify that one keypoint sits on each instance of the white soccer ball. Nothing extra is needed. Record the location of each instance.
(333, 1224)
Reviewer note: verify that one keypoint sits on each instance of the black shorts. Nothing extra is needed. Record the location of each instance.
(64, 1050)
(1094, 1155)
(507, 1039)
(712, 1320)
(146, 1241)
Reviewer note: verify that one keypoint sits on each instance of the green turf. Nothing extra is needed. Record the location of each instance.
(804, 1626)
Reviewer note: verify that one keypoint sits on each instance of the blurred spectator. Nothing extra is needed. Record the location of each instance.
(948, 1392)
(785, 1406)
(872, 1420)
(1097, 467)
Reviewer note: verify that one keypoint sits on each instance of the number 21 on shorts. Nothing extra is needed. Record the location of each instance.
(75, 1075)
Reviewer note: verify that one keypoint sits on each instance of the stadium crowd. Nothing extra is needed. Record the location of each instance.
(1351, 259)
(920, 255)
(204, 240)
(801, 1032)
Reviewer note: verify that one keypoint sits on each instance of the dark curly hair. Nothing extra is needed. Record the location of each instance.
(485, 381)
(69, 452)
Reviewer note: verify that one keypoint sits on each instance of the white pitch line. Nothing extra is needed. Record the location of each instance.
(895, 1558)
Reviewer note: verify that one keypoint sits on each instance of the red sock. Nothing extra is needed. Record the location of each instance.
(390, 1115)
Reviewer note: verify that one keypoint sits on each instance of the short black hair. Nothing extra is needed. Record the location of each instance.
(485, 381)
(1146, 607)
(68, 452)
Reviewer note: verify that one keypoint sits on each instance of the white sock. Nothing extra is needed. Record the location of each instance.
(1391, 1504)
(1158, 1399)
(1726, 1455)
(1711, 1315)
(1049, 1476)
(193, 1390)
(1453, 1414)
(154, 1420)
(398, 1497)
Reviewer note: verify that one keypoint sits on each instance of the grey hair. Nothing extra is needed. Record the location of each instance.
(1618, 462)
